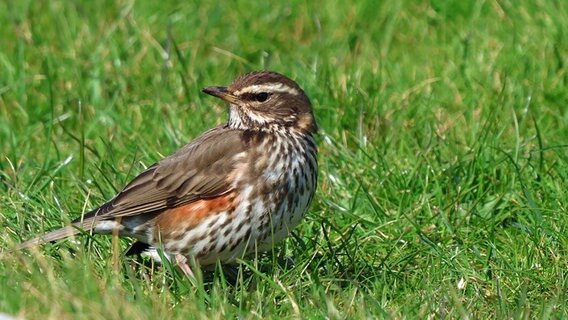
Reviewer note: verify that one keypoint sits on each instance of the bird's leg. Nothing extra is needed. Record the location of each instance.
(184, 266)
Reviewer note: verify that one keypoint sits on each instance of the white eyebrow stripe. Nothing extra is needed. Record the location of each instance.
(268, 87)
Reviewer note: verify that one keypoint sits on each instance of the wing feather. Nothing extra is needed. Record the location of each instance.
(200, 170)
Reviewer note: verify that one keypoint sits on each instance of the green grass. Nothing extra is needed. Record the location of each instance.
(443, 153)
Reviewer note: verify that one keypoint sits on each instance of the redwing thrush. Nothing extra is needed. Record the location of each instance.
(239, 187)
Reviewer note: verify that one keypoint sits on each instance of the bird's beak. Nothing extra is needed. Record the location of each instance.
(220, 92)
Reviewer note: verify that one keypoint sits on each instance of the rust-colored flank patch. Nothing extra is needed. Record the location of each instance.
(188, 216)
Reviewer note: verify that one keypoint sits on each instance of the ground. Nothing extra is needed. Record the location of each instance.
(443, 154)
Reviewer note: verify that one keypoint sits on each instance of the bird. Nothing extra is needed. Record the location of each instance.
(238, 188)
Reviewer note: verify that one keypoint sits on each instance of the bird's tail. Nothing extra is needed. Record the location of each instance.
(58, 234)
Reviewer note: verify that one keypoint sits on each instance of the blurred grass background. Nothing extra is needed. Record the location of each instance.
(443, 152)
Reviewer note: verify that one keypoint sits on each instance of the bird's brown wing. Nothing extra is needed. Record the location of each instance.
(200, 170)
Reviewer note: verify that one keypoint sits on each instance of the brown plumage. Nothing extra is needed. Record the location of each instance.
(239, 187)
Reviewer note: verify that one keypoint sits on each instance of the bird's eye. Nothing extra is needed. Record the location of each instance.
(261, 97)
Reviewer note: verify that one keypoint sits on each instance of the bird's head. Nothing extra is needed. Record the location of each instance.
(265, 100)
